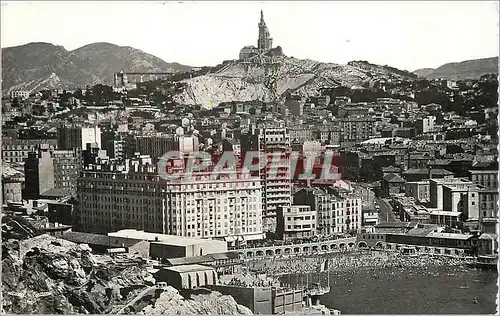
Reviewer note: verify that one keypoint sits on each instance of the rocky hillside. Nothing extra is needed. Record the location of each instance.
(46, 275)
(205, 303)
(469, 69)
(423, 72)
(42, 65)
(238, 81)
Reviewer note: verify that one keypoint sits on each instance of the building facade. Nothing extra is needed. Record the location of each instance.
(16, 150)
(20, 94)
(159, 144)
(38, 173)
(337, 211)
(296, 221)
(273, 145)
(78, 137)
(135, 197)
(67, 166)
(357, 129)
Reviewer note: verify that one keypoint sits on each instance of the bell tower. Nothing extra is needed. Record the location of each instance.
(265, 41)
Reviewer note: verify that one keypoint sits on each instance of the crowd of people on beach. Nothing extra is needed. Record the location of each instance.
(352, 261)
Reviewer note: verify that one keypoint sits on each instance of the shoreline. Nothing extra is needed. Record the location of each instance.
(348, 261)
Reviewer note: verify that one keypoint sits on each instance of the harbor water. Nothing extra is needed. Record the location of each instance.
(433, 290)
(387, 283)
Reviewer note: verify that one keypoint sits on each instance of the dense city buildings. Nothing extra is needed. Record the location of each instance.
(236, 177)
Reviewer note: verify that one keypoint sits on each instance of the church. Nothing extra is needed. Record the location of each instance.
(264, 43)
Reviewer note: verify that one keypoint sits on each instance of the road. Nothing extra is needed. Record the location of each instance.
(385, 212)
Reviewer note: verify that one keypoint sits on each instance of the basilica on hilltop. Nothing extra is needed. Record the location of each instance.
(264, 44)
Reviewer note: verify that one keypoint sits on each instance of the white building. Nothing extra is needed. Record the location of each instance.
(296, 221)
(338, 210)
(112, 198)
(20, 94)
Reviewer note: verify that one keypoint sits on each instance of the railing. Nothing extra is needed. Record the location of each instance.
(316, 291)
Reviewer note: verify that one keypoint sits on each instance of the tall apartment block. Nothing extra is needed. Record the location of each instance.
(114, 143)
(78, 137)
(38, 173)
(133, 196)
(47, 169)
(274, 144)
(156, 145)
(67, 166)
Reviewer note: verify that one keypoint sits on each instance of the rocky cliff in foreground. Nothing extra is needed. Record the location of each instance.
(46, 275)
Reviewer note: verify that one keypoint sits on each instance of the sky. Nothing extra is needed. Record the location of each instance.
(404, 34)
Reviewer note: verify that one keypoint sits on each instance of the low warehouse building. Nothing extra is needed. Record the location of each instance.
(187, 277)
(170, 246)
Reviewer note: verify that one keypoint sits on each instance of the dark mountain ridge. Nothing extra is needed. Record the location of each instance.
(468, 69)
(38, 65)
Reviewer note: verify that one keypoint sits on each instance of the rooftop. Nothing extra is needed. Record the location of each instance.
(202, 259)
(394, 225)
(449, 236)
(95, 239)
(189, 268)
(160, 238)
(393, 178)
(438, 171)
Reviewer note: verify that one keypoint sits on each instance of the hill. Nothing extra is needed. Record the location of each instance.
(469, 69)
(423, 72)
(43, 65)
(256, 80)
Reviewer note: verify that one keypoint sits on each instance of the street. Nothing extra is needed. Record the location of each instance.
(385, 212)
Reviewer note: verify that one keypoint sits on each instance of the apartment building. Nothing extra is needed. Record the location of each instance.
(48, 168)
(463, 198)
(133, 196)
(70, 137)
(67, 166)
(113, 142)
(274, 145)
(357, 128)
(436, 189)
(301, 134)
(156, 145)
(295, 221)
(338, 211)
(16, 150)
(485, 174)
(488, 203)
(419, 190)
(20, 94)
(38, 174)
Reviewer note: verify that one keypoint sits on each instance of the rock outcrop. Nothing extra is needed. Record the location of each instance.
(47, 275)
(211, 303)
(268, 79)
